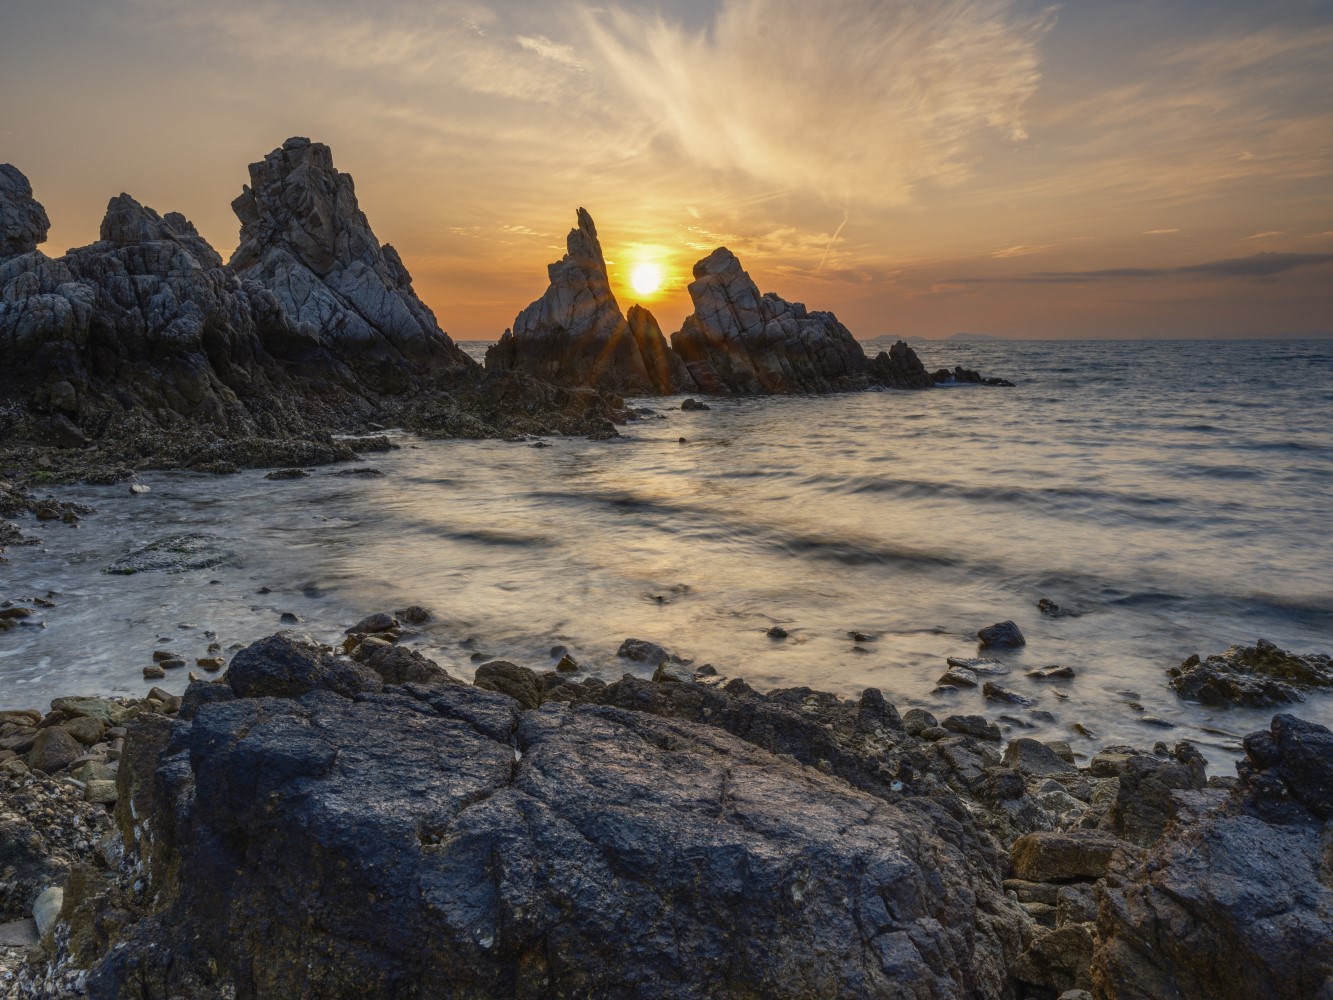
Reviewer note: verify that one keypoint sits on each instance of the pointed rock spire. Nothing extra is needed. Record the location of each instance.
(575, 334)
(23, 221)
(304, 237)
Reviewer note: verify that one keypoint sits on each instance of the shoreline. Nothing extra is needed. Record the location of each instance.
(1026, 806)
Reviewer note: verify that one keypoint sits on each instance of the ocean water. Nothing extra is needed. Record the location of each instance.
(1176, 496)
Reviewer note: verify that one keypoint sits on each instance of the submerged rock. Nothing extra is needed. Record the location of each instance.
(1002, 635)
(175, 554)
(576, 335)
(1257, 676)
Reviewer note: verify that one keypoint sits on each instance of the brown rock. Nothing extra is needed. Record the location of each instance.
(1054, 856)
(53, 751)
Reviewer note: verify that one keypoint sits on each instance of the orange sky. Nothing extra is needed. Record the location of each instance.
(1129, 169)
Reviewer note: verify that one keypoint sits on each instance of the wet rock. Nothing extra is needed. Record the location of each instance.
(967, 376)
(282, 667)
(567, 664)
(672, 673)
(642, 651)
(414, 614)
(1031, 757)
(422, 827)
(995, 692)
(1058, 856)
(575, 334)
(900, 368)
(776, 632)
(916, 720)
(53, 750)
(1002, 635)
(959, 677)
(380, 622)
(519, 683)
(1052, 673)
(211, 662)
(972, 725)
(175, 554)
(1257, 676)
(690, 403)
(400, 665)
(287, 618)
(288, 474)
(980, 666)
(738, 341)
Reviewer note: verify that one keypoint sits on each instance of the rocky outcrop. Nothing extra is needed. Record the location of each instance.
(900, 368)
(23, 221)
(306, 240)
(739, 341)
(1237, 901)
(439, 841)
(1258, 676)
(576, 335)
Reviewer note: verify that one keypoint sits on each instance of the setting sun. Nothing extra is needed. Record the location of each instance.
(646, 278)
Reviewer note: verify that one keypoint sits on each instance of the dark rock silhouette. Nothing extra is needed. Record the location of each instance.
(742, 342)
(576, 335)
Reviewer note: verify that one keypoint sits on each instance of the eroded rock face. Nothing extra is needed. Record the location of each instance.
(900, 368)
(305, 239)
(1257, 676)
(739, 341)
(438, 841)
(1237, 900)
(576, 335)
(23, 221)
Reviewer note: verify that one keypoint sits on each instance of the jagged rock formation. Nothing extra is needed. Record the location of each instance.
(739, 341)
(576, 335)
(900, 368)
(305, 239)
(1257, 676)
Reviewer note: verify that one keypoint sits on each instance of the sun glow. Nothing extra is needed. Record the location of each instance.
(646, 279)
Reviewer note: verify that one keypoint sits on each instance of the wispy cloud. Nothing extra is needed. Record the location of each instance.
(1159, 232)
(1262, 265)
(860, 102)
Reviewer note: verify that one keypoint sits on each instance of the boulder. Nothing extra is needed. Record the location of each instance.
(1002, 635)
(519, 683)
(438, 843)
(741, 342)
(53, 751)
(1258, 676)
(1058, 856)
(575, 334)
(900, 368)
(281, 666)
(305, 239)
(1035, 759)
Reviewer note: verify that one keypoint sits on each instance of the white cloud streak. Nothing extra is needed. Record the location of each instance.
(860, 101)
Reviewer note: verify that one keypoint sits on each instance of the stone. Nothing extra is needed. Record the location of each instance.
(1002, 635)
(916, 720)
(380, 622)
(900, 368)
(1058, 959)
(1057, 856)
(46, 910)
(1258, 676)
(995, 692)
(980, 666)
(672, 673)
(53, 751)
(642, 651)
(414, 614)
(1052, 673)
(306, 241)
(211, 663)
(86, 729)
(282, 667)
(958, 677)
(972, 725)
(740, 342)
(690, 404)
(1145, 800)
(280, 474)
(1033, 758)
(519, 683)
(567, 664)
(103, 709)
(101, 791)
(576, 335)
(617, 853)
(776, 632)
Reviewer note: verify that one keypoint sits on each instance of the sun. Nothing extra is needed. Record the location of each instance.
(646, 279)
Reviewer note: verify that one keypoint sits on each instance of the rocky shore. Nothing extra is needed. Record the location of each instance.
(337, 821)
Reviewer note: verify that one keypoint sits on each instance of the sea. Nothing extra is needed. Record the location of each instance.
(1171, 497)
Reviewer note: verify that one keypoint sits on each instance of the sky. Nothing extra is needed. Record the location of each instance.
(1089, 169)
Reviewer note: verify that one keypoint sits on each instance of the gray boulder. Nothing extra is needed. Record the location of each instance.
(576, 335)
(23, 221)
(739, 341)
(1257, 676)
(436, 842)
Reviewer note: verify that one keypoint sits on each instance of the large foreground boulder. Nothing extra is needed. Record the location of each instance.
(439, 842)
(739, 341)
(305, 239)
(1236, 901)
(576, 335)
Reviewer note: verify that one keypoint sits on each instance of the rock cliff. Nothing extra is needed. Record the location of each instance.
(575, 334)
